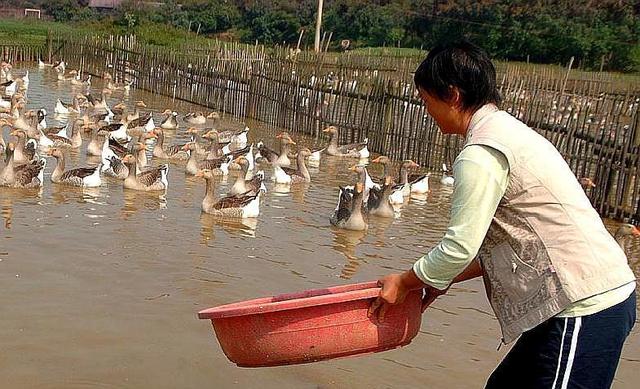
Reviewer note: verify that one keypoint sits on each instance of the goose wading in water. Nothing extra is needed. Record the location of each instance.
(171, 120)
(246, 152)
(351, 214)
(174, 152)
(242, 185)
(353, 150)
(232, 206)
(114, 167)
(285, 175)
(152, 179)
(136, 112)
(22, 154)
(447, 179)
(199, 117)
(378, 203)
(411, 183)
(217, 167)
(88, 177)
(624, 232)
(28, 175)
(62, 108)
(281, 158)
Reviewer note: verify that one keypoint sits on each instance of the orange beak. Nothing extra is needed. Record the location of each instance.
(636, 231)
(328, 129)
(413, 164)
(377, 160)
(199, 173)
(291, 140)
(185, 147)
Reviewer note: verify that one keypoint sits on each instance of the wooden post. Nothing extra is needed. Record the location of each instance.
(318, 26)
(49, 45)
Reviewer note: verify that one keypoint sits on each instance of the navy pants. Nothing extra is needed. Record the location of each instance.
(568, 353)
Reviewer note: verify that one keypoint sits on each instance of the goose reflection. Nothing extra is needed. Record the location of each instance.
(345, 242)
(134, 200)
(245, 227)
(64, 194)
(7, 212)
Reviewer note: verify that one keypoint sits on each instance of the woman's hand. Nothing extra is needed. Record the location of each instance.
(395, 288)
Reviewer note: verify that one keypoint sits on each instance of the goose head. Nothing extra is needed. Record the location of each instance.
(204, 173)
(55, 152)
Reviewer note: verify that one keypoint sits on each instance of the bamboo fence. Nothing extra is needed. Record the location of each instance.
(592, 118)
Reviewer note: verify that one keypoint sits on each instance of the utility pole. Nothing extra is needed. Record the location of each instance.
(318, 26)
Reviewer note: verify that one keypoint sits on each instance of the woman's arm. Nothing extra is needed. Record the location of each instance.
(395, 288)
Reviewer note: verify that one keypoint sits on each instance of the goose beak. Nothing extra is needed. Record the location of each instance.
(353, 168)
(199, 173)
(328, 129)
(185, 147)
(291, 140)
(413, 164)
(636, 231)
(377, 160)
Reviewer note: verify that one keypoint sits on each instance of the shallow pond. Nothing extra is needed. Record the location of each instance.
(100, 288)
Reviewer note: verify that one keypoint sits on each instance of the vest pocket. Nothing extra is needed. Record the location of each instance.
(520, 280)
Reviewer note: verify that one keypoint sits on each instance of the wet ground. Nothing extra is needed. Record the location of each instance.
(100, 288)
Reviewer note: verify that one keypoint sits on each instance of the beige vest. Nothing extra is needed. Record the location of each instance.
(546, 247)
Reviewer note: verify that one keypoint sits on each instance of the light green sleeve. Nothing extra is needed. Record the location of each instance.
(481, 177)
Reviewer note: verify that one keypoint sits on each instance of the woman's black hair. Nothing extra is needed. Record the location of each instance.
(462, 65)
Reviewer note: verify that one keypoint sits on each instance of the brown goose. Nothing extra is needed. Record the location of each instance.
(233, 206)
(61, 141)
(172, 152)
(409, 183)
(88, 177)
(136, 113)
(199, 117)
(98, 138)
(285, 175)
(281, 158)
(170, 121)
(144, 122)
(24, 150)
(152, 179)
(353, 150)
(29, 175)
(242, 185)
(218, 167)
(114, 167)
(215, 151)
(624, 232)
(351, 214)
(378, 203)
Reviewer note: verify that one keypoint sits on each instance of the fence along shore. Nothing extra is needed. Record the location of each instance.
(591, 117)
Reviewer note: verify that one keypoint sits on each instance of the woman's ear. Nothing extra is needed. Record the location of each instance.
(455, 97)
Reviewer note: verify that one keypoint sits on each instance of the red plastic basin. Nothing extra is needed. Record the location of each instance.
(312, 325)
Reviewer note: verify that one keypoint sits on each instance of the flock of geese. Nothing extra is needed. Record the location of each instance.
(116, 140)
(119, 137)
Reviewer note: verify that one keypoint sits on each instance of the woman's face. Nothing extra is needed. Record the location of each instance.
(446, 113)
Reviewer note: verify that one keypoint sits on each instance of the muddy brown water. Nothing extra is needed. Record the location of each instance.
(100, 288)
